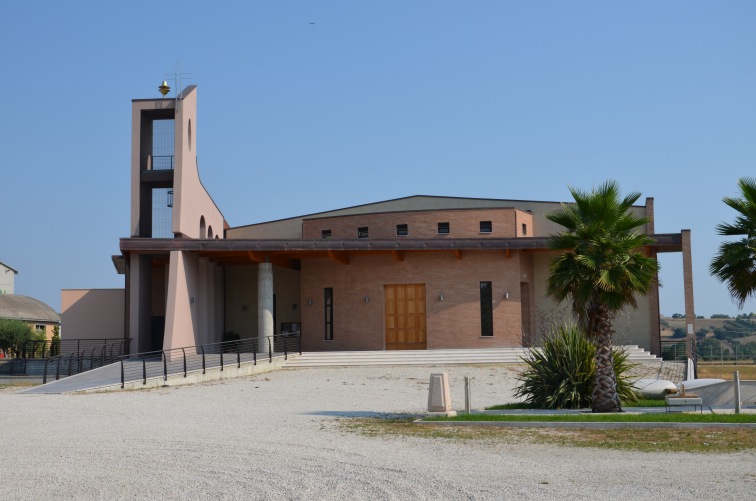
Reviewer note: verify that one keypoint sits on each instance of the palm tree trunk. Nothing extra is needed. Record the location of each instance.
(604, 397)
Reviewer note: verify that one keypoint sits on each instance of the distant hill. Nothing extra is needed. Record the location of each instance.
(669, 324)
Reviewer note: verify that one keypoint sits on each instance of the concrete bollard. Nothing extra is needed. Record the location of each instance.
(736, 377)
(439, 396)
(468, 395)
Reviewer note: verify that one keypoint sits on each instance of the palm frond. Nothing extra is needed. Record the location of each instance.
(735, 263)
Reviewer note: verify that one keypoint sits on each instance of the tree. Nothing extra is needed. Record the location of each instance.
(735, 263)
(13, 334)
(601, 270)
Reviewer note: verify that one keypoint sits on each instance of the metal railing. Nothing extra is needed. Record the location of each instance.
(163, 363)
(46, 348)
(676, 350)
(84, 360)
(162, 162)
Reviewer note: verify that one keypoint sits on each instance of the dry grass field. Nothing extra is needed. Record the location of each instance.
(716, 371)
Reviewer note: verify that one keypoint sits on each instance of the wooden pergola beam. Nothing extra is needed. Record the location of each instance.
(339, 257)
(256, 257)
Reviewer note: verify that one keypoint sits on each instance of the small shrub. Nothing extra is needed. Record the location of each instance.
(562, 374)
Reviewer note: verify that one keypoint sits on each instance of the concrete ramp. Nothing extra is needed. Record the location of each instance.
(723, 394)
(102, 376)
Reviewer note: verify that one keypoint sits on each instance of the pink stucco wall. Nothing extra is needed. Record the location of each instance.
(92, 313)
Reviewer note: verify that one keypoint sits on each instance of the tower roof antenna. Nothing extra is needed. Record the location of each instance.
(177, 77)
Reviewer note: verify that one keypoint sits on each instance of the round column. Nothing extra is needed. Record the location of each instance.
(265, 326)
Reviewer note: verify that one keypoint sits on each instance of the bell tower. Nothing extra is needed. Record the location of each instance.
(153, 166)
(172, 293)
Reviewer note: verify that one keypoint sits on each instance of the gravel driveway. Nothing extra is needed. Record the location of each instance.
(274, 436)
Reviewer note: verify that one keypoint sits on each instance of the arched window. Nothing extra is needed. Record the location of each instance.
(209, 232)
(203, 233)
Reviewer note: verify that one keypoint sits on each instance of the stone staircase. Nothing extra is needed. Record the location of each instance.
(428, 357)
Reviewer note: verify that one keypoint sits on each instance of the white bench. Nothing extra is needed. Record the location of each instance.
(695, 402)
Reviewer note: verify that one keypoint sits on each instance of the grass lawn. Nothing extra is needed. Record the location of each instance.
(698, 440)
(522, 405)
(725, 371)
(673, 417)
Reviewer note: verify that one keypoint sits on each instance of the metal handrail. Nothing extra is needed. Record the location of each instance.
(123, 345)
(191, 358)
(162, 162)
(43, 348)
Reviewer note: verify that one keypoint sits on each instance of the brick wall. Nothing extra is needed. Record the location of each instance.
(451, 323)
(463, 223)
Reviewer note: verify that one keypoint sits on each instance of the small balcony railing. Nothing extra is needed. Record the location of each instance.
(162, 162)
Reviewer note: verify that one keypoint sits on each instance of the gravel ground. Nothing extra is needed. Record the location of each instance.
(275, 436)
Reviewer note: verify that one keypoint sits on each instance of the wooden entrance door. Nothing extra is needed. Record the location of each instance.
(405, 317)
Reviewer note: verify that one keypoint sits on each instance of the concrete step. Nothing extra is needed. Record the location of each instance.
(429, 357)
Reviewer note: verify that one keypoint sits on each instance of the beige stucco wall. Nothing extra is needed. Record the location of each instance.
(632, 326)
(7, 279)
(92, 313)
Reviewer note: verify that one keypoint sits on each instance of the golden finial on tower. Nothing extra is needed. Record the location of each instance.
(164, 89)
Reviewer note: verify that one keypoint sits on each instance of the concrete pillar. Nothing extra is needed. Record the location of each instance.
(202, 301)
(219, 305)
(690, 311)
(439, 396)
(265, 326)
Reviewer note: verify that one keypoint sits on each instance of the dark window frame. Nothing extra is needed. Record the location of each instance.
(486, 227)
(325, 234)
(524, 229)
(444, 228)
(363, 232)
(486, 309)
(402, 230)
(328, 313)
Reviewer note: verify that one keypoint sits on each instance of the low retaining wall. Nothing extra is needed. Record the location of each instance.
(20, 380)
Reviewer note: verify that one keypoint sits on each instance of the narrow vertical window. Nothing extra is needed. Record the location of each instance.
(486, 309)
(524, 229)
(328, 312)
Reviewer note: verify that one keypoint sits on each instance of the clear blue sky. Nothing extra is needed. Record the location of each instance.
(375, 100)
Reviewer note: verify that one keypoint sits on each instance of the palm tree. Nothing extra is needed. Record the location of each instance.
(735, 264)
(602, 269)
